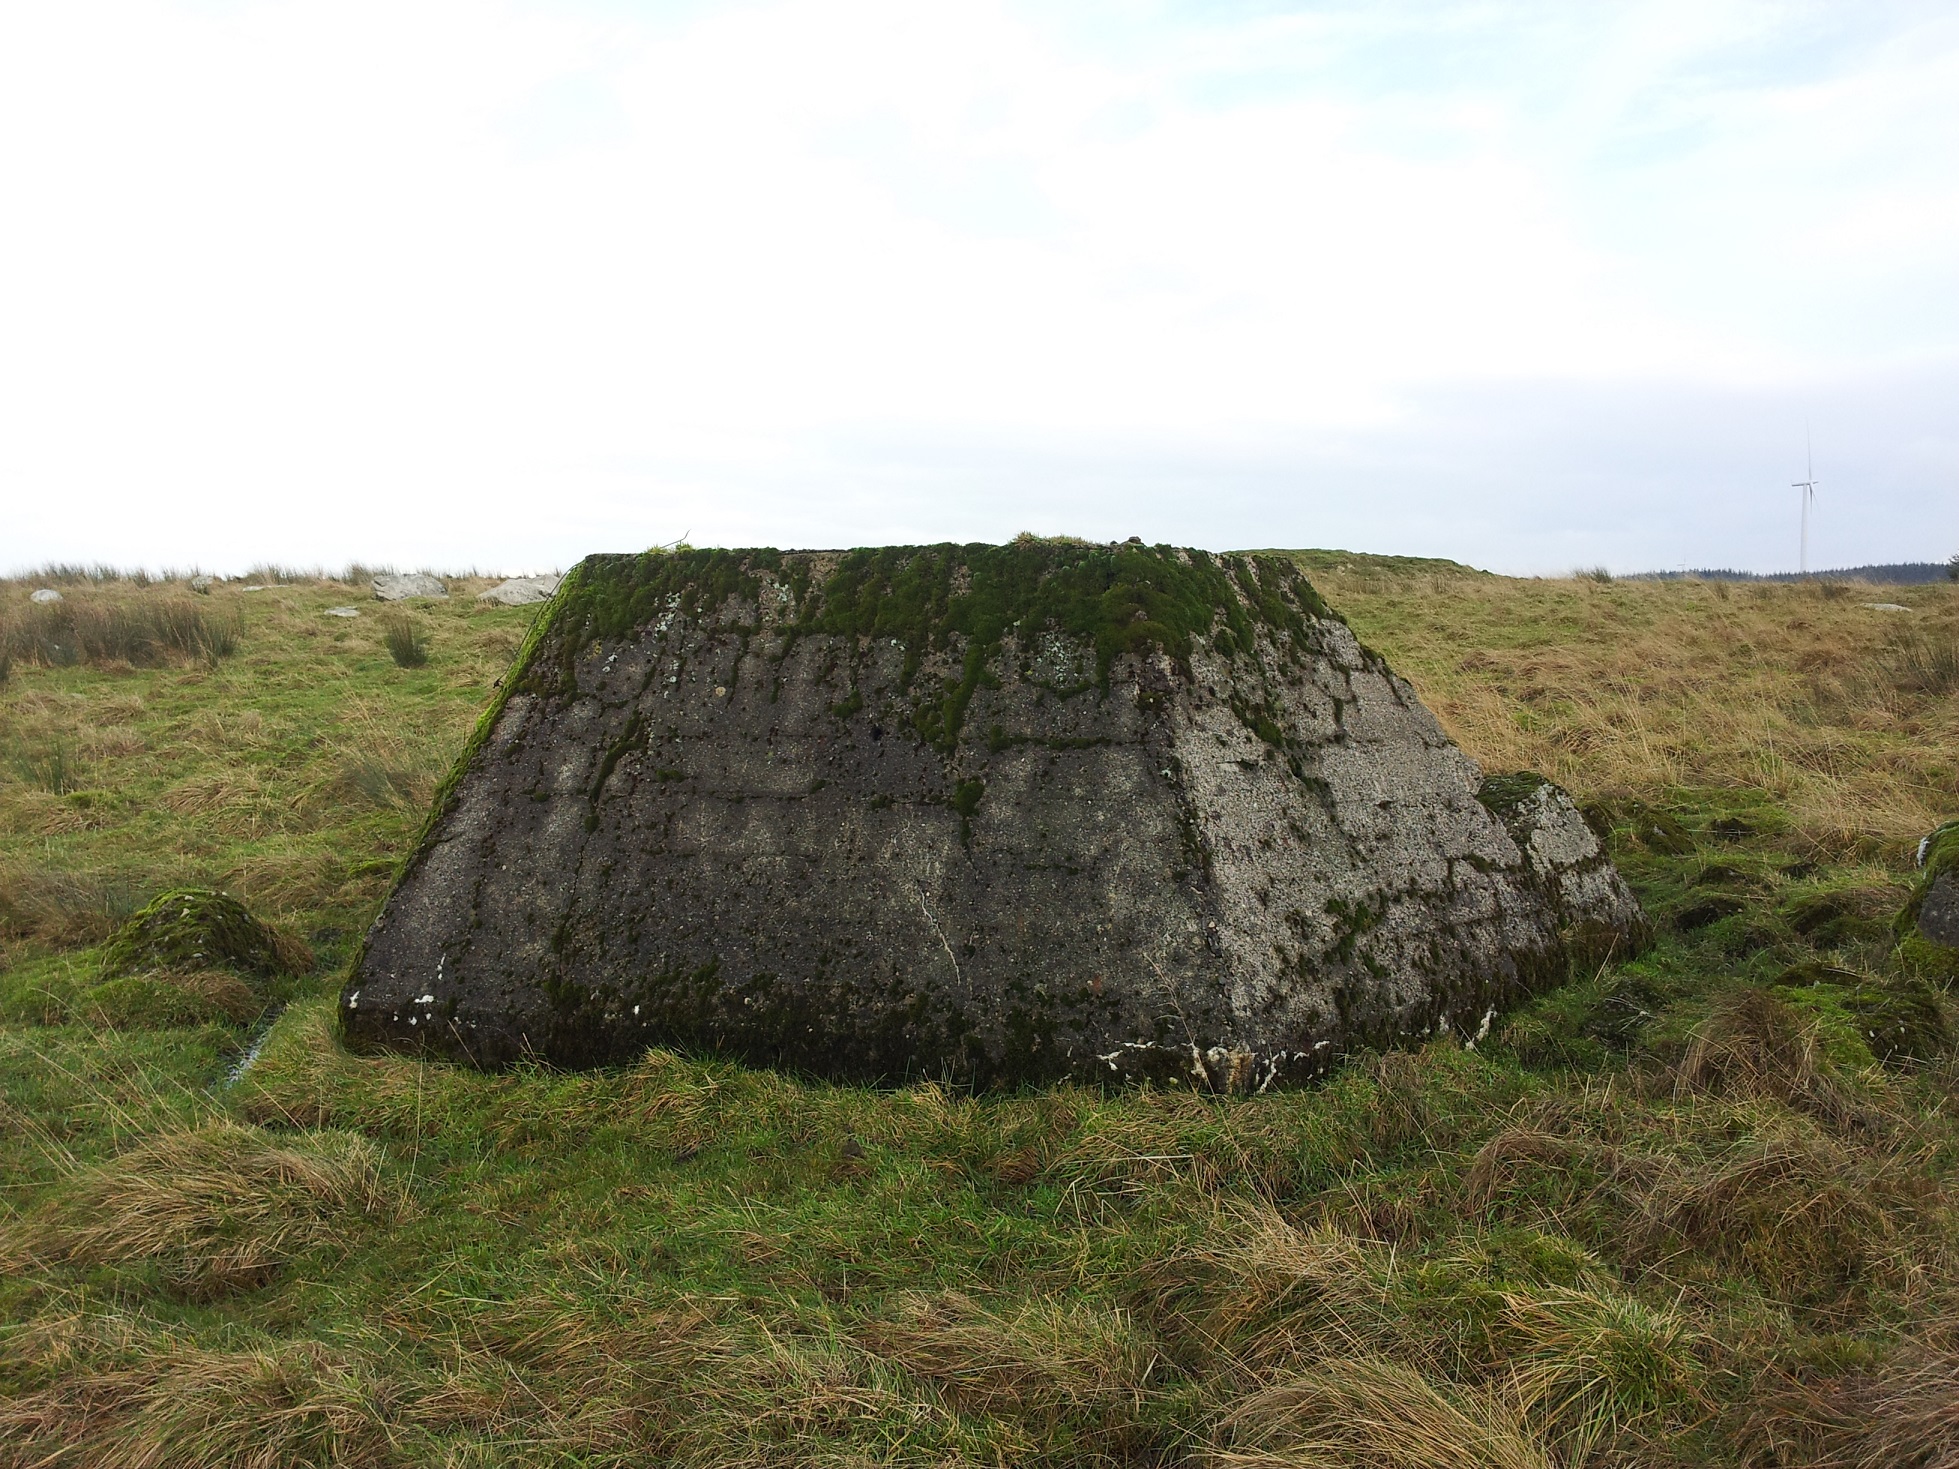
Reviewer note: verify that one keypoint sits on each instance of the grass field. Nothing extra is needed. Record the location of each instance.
(1696, 1208)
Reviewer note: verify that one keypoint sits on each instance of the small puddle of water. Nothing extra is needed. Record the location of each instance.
(261, 1031)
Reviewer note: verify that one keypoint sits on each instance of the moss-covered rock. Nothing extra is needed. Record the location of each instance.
(1898, 1019)
(191, 929)
(1806, 973)
(1901, 1020)
(1932, 911)
(1850, 913)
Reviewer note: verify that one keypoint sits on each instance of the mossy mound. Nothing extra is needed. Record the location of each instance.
(1653, 829)
(1840, 915)
(1899, 1020)
(191, 929)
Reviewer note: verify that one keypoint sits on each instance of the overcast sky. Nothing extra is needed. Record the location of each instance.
(1527, 285)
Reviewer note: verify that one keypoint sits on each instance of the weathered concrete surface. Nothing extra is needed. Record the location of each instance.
(737, 804)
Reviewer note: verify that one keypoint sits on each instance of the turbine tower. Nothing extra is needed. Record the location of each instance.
(1808, 486)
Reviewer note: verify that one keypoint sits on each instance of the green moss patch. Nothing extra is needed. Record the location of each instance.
(1504, 795)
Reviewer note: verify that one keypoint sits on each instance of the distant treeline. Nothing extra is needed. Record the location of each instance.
(1894, 574)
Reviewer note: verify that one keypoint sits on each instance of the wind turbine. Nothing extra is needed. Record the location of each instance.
(1808, 487)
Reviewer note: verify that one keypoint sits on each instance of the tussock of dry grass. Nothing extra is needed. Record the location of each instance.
(1265, 1289)
(1370, 1413)
(1592, 1365)
(140, 632)
(65, 908)
(1038, 1358)
(1514, 1156)
(217, 1209)
(1906, 1417)
(291, 1407)
(1793, 1211)
(1755, 1046)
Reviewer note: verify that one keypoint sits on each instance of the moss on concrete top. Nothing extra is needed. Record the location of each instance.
(1120, 598)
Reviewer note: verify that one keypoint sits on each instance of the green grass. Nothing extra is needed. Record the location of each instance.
(1692, 1208)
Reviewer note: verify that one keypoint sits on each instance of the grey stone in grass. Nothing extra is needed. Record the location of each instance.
(44, 594)
(201, 584)
(408, 585)
(1885, 606)
(998, 815)
(521, 591)
(343, 612)
(1938, 910)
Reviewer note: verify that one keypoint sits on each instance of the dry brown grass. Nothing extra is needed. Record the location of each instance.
(1633, 689)
(1372, 1413)
(1793, 1211)
(63, 908)
(1519, 1154)
(198, 993)
(1593, 1364)
(290, 1407)
(217, 1208)
(1906, 1417)
(1754, 1046)
(111, 630)
(1266, 1290)
(1040, 1358)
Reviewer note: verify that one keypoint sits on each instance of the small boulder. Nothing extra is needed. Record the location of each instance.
(44, 594)
(1885, 606)
(196, 928)
(343, 612)
(521, 591)
(401, 588)
(202, 584)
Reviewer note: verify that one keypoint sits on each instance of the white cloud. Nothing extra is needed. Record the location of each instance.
(457, 283)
